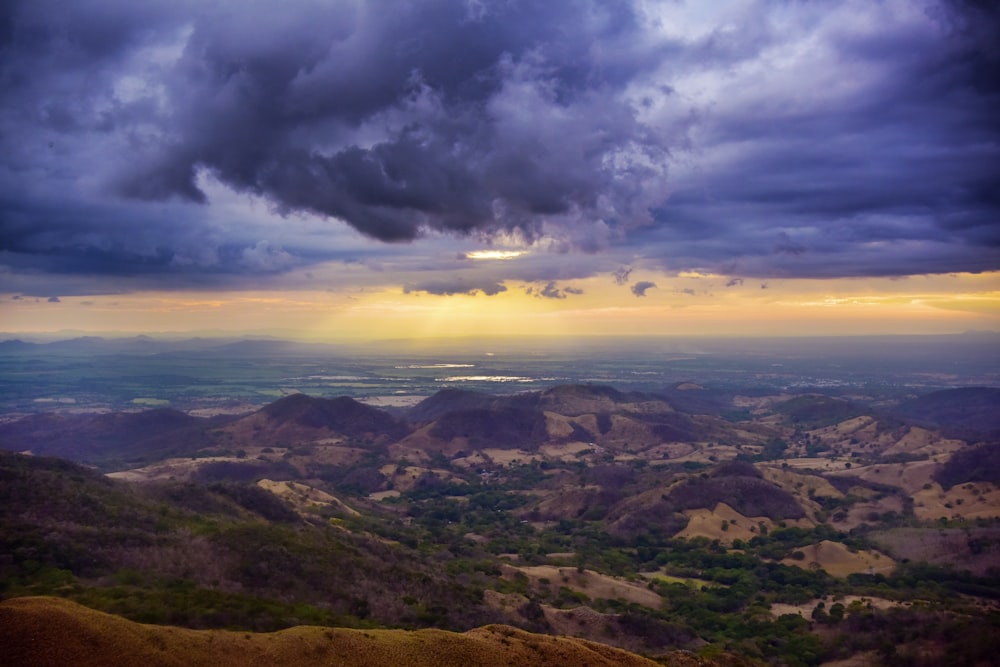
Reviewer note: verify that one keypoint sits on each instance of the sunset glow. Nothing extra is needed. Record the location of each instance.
(677, 306)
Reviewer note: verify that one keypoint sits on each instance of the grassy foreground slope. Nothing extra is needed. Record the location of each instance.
(42, 631)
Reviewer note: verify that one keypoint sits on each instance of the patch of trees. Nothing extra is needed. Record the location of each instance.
(736, 468)
(672, 426)
(747, 495)
(257, 500)
(511, 427)
(361, 479)
(963, 410)
(816, 411)
(250, 471)
(975, 464)
(914, 637)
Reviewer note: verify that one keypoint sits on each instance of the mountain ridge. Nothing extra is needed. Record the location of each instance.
(45, 632)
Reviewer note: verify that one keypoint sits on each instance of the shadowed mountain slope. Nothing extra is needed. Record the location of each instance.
(109, 439)
(342, 414)
(569, 400)
(460, 420)
(746, 493)
(451, 400)
(697, 400)
(223, 543)
(299, 418)
(975, 464)
(968, 409)
(815, 411)
(498, 427)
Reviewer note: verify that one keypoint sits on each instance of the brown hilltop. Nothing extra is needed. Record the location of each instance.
(43, 632)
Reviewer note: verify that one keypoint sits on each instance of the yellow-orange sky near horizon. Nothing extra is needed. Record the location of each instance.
(688, 304)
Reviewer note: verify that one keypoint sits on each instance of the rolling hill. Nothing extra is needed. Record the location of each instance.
(44, 632)
(300, 418)
(967, 409)
(111, 440)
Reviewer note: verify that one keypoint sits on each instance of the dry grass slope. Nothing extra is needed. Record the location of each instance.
(594, 584)
(44, 632)
(839, 561)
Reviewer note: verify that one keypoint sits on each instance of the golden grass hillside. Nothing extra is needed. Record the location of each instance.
(593, 584)
(722, 523)
(43, 631)
(839, 561)
(304, 497)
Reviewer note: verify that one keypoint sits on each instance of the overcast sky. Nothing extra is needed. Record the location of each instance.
(627, 149)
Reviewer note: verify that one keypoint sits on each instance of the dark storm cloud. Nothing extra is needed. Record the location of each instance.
(812, 139)
(898, 174)
(404, 117)
(641, 287)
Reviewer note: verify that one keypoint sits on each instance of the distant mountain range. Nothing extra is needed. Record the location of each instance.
(875, 347)
(454, 420)
(144, 345)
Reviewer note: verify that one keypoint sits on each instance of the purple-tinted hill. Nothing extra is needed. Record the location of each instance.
(342, 415)
(108, 439)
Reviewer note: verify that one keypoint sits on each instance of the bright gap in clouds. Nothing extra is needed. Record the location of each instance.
(494, 254)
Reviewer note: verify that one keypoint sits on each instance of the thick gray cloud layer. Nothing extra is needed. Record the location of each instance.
(758, 139)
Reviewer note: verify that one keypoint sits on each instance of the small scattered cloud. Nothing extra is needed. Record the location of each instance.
(553, 291)
(445, 288)
(640, 288)
(688, 291)
(550, 291)
(54, 299)
(622, 274)
(763, 285)
(734, 282)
